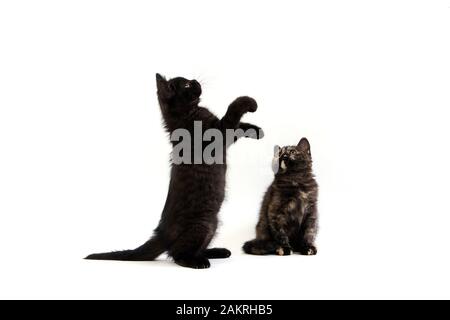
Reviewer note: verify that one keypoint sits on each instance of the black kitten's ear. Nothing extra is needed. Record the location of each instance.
(304, 146)
(163, 86)
(160, 80)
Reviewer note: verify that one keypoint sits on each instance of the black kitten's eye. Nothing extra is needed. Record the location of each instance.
(187, 85)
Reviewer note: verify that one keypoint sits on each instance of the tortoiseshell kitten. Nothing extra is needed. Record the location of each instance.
(288, 216)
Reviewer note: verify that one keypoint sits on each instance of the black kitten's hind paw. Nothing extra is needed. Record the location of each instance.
(308, 250)
(246, 103)
(283, 251)
(194, 262)
(217, 253)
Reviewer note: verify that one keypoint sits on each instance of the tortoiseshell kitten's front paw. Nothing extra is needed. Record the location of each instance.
(308, 250)
(284, 251)
(246, 103)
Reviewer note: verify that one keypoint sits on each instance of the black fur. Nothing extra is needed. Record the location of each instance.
(196, 191)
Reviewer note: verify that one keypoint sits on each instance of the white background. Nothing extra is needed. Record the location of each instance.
(84, 159)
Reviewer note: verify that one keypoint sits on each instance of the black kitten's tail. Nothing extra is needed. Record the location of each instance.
(147, 252)
(259, 247)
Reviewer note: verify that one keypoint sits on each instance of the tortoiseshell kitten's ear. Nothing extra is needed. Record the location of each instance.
(164, 89)
(303, 146)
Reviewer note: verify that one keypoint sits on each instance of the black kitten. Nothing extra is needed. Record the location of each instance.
(196, 191)
(288, 216)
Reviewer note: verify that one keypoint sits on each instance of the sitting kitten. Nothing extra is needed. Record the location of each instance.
(288, 216)
(196, 191)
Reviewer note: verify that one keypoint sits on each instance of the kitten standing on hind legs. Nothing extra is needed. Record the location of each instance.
(196, 191)
(288, 215)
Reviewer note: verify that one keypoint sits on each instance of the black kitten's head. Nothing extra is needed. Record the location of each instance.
(178, 92)
(293, 158)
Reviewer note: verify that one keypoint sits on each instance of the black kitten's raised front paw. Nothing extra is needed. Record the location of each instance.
(246, 103)
(283, 251)
(308, 250)
(217, 253)
(194, 262)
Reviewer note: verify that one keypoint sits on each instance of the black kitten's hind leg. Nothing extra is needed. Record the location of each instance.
(217, 253)
(189, 249)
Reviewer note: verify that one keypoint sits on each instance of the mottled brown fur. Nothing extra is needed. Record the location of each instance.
(288, 215)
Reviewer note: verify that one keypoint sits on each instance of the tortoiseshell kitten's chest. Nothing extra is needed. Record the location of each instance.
(297, 199)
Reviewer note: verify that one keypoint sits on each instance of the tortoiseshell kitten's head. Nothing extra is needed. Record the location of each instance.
(178, 93)
(293, 159)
